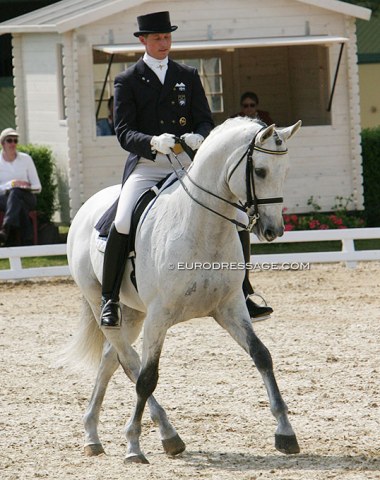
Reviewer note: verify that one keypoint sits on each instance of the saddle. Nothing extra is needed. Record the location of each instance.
(104, 223)
(147, 198)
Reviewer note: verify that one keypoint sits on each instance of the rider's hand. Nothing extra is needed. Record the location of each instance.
(163, 143)
(193, 140)
(20, 184)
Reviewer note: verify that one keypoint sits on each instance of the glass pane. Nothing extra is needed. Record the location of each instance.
(192, 62)
(209, 69)
(211, 66)
(215, 102)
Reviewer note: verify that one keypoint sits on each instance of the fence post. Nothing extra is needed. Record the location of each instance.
(348, 246)
(15, 263)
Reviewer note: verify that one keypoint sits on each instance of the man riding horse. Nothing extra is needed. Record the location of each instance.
(155, 101)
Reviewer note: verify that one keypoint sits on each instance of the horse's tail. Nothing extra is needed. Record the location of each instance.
(87, 343)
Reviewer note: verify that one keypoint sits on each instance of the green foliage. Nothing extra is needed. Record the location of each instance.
(43, 160)
(340, 217)
(371, 175)
(372, 4)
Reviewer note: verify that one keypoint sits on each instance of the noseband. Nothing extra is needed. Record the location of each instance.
(252, 199)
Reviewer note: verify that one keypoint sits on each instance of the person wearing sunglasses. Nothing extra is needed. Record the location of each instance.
(19, 183)
(249, 104)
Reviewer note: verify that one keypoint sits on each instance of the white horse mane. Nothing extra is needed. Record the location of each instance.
(235, 121)
(240, 129)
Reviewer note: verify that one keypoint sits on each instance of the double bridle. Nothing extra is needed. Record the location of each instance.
(252, 199)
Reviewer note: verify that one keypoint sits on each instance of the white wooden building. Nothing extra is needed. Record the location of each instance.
(299, 56)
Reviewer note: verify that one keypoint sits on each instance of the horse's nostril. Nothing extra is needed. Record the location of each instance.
(270, 234)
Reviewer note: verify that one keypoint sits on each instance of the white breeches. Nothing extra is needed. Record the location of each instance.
(145, 175)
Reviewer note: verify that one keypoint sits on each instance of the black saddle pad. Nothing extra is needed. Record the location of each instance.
(105, 222)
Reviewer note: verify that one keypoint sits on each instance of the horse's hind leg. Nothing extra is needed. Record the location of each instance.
(108, 366)
(131, 364)
(242, 331)
(170, 439)
(154, 335)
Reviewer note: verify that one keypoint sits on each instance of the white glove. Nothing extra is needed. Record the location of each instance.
(163, 143)
(193, 140)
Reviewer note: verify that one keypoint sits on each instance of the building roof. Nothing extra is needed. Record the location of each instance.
(341, 7)
(66, 15)
(69, 14)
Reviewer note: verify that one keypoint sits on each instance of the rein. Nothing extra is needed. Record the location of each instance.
(240, 207)
(252, 199)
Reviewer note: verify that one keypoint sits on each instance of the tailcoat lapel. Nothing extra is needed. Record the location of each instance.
(170, 80)
(147, 76)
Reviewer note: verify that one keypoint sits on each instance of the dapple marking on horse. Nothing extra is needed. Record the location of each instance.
(178, 229)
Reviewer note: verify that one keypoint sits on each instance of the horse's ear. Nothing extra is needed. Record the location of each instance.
(264, 134)
(288, 132)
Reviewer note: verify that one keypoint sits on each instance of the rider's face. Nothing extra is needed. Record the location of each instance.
(157, 45)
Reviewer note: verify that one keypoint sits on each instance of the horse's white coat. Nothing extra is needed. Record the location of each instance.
(178, 232)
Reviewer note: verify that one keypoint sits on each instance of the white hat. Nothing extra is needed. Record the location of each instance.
(8, 132)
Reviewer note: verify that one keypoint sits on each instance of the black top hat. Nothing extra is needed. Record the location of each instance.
(158, 22)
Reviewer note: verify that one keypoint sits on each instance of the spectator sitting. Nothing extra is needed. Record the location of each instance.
(105, 126)
(19, 182)
(249, 103)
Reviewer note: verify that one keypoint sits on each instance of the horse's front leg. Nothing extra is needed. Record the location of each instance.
(235, 319)
(154, 335)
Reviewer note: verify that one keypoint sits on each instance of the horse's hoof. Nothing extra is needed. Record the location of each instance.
(173, 446)
(132, 458)
(94, 450)
(286, 444)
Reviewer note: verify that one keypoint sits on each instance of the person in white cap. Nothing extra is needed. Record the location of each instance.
(19, 183)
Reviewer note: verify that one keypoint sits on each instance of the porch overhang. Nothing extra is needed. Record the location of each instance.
(228, 44)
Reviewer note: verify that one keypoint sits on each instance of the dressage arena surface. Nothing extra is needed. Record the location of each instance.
(324, 340)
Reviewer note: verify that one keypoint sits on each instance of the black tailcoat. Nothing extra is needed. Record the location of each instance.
(143, 107)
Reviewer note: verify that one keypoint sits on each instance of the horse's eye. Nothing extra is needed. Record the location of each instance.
(260, 172)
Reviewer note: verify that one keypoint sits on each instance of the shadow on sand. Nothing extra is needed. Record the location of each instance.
(244, 462)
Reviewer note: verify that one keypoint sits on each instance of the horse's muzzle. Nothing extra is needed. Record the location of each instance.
(267, 232)
(271, 235)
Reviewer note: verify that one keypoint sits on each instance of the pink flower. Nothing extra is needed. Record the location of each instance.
(323, 226)
(289, 227)
(336, 220)
(313, 224)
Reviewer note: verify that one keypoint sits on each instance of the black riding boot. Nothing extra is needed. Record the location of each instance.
(4, 234)
(257, 312)
(115, 258)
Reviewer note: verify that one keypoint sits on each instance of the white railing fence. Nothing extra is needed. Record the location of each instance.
(16, 270)
(347, 254)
